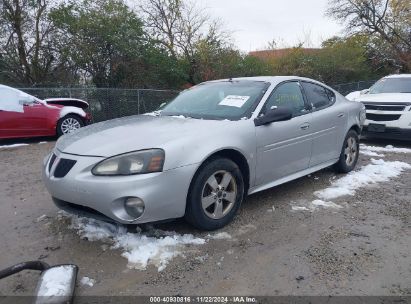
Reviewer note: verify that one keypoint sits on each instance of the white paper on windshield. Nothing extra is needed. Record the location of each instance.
(234, 101)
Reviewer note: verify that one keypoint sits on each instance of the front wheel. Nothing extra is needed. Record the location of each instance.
(69, 124)
(349, 153)
(215, 195)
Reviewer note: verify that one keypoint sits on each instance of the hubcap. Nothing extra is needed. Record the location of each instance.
(69, 125)
(351, 150)
(219, 194)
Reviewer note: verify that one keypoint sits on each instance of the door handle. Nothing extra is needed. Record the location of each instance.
(341, 115)
(305, 126)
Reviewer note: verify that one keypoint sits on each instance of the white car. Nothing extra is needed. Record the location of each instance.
(388, 107)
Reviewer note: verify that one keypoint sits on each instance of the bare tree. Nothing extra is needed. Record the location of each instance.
(26, 40)
(180, 26)
(176, 24)
(389, 20)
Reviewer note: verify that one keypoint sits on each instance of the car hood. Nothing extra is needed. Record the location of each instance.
(134, 133)
(385, 98)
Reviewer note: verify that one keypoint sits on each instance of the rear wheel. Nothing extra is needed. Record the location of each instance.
(69, 124)
(215, 195)
(349, 153)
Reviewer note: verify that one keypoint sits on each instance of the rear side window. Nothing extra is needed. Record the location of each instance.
(318, 96)
(287, 95)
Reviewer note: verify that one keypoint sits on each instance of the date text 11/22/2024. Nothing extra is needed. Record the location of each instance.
(205, 299)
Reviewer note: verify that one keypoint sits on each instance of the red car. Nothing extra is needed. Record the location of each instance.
(23, 115)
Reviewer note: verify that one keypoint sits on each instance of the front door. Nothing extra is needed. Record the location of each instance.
(284, 147)
(18, 119)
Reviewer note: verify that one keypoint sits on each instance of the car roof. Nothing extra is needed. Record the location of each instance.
(399, 76)
(274, 79)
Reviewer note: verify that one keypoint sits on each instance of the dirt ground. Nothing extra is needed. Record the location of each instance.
(361, 249)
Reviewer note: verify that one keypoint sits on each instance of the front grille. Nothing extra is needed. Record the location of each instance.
(63, 167)
(81, 210)
(382, 117)
(52, 159)
(385, 107)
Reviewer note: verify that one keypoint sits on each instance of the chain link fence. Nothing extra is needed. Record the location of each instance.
(107, 103)
(346, 88)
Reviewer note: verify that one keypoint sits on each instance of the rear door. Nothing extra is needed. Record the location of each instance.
(328, 123)
(284, 147)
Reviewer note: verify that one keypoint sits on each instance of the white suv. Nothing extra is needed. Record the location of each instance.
(388, 106)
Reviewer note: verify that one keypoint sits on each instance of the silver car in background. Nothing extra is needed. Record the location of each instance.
(204, 151)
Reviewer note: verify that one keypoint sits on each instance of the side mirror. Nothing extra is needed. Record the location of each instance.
(273, 115)
(57, 285)
(363, 92)
(27, 100)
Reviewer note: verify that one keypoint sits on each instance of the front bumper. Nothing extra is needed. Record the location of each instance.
(164, 193)
(389, 122)
(389, 133)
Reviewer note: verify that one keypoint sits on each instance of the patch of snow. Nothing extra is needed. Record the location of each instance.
(42, 142)
(387, 149)
(320, 203)
(370, 153)
(376, 172)
(55, 281)
(314, 205)
(272, 209)
(202, 258)
(72, 110)
(220, 236)
(139, 249)
(86, 281)
(179, 116)
(13, 146)
(41, 218)
(299, 208)
(155, 113)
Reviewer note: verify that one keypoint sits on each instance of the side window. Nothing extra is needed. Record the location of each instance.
(289, 95)
(318, 96)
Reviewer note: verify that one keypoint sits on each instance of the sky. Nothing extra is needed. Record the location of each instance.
(255, 22)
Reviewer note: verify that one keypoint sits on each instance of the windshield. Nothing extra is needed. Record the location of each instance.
(231, 100)
(392, 85)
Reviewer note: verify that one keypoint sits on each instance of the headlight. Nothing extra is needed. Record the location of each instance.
(140, 162)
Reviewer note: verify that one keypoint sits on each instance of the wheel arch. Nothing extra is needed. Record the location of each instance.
(356, 128)
(234, 155)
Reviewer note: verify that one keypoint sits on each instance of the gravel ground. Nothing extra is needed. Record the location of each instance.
(360, 249)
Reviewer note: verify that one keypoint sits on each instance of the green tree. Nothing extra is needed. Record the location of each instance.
(105, 41)
(27, 43)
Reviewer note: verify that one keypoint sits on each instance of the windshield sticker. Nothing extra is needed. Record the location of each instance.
(234, 101)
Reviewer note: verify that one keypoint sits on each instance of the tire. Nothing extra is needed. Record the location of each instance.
(68, 124)
(219, 185)
(349, 153)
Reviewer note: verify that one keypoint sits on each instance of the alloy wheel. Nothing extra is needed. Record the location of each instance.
(219, 194)
(351, 151)
(70, 125)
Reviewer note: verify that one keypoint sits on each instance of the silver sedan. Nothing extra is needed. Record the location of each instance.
(203, 152)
